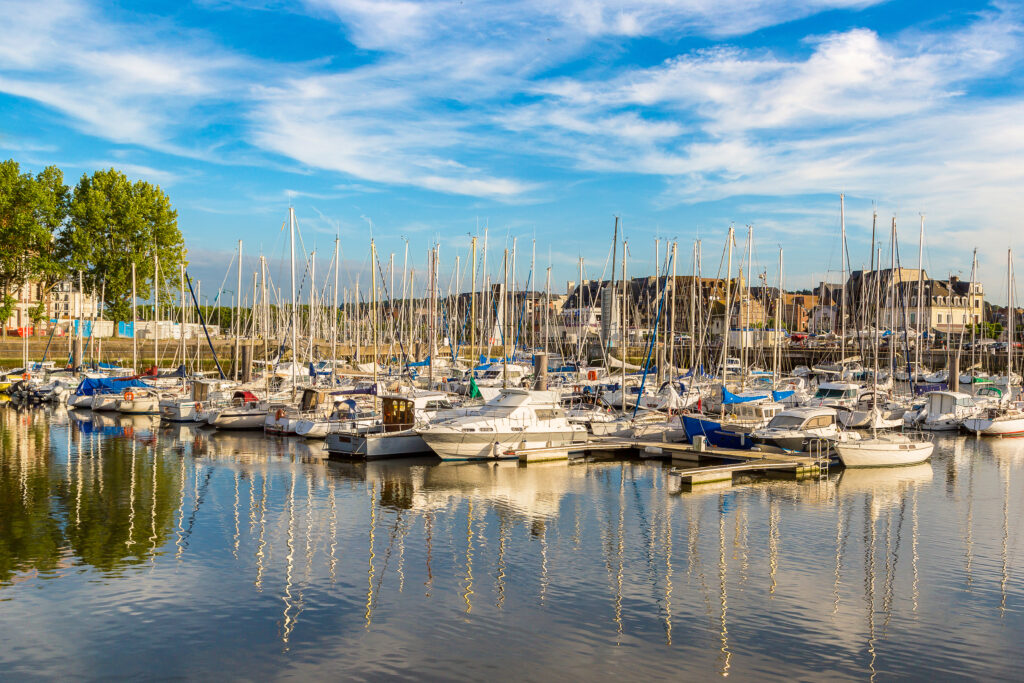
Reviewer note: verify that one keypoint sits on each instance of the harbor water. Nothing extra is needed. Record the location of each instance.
(131, 549)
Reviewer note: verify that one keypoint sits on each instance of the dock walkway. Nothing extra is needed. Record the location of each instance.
(737, 461)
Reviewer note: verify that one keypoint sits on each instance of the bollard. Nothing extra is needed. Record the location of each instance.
(540, 371)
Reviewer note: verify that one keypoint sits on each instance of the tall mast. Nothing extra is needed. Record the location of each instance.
(920, 298)
(181, 327)
(776, 332)
(547, 311)
(504, 324)
(892, 298)
(266, 322)
(238, 313)
(310, 326)
(672, 314)
(295, 299)
(373, 310)
(472, 304)
(745, 307)
(135, 345)
(334, 317)
(1009, 319)
(533, 309)
(431, 331)
(728, 314)
(693, 311)
(156, 308)
(622, 325)
(406, 298)
(842, 288)
(611, 288)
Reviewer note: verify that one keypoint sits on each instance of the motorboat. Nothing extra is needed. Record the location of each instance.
(943, 411)
(395, 436)
(835, 395)
(516, 418)
(796, 428)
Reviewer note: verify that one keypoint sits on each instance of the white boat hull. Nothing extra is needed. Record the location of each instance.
(377, 446)
(871, 453)
(1013, 426)
(178, 411)
(454, 445)
(236, 419)
(140, 405)
(101, 402)
(313, 429)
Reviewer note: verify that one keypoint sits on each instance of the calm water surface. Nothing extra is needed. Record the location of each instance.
(127, 549)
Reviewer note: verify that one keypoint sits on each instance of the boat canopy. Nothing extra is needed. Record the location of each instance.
(106, 385)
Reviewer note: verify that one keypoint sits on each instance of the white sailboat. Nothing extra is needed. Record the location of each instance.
(1005, 420)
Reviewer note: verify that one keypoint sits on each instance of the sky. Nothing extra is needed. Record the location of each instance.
(428, 122)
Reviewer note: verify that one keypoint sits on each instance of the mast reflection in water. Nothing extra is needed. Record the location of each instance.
(131, 549)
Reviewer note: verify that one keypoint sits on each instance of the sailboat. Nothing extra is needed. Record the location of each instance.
(1001, 420)
(885, 449)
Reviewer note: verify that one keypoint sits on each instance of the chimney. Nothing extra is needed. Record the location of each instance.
(569, 286)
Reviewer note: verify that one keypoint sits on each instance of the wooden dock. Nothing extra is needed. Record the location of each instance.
(731, 462)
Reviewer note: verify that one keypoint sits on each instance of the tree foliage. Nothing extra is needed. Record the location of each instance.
(33, 209)
(114, 223)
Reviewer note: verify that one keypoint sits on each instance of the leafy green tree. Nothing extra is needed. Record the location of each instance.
(33, 209)
(115, 223)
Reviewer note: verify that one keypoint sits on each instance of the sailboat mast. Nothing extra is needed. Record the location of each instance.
(373, 310)
(334, 317)
(504, 324)
(892, 298)
(295, 299)
(920, 299)
(547, 311)
(622, 337)
(1009, 320)
(156, 308)
(135, 344)
(472, 302)
(672, 312)
(238, 313)
(777, 354)
(728, 315)
(842, 287)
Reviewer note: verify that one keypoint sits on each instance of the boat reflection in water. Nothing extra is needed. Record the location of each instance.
(262, 553)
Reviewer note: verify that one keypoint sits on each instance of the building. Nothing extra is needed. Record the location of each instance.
(62, 303)
(944, 306)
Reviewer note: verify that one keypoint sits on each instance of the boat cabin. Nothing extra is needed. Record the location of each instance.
(804, 419)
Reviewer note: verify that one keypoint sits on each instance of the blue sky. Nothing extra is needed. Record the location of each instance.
(541, 120)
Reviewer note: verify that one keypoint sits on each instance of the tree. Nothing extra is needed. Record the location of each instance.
(32, 210)
(115, 223)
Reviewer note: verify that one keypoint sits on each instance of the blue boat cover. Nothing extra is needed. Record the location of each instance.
(421, 364)
(781, 395)
(106, 385)
(729, 397)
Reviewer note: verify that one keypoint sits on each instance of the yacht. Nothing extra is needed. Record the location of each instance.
(794, 429)
(943, 411)
(517, 418)
(835, 395)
